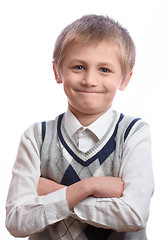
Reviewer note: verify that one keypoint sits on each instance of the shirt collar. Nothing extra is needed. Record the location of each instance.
(72, 125)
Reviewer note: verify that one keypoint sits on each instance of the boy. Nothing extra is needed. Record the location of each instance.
(88, 173)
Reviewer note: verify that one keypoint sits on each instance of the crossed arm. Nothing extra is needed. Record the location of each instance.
(119, 209)
(102, 187)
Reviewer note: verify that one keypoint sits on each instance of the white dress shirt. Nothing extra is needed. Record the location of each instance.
(86, 137)
(28, 213)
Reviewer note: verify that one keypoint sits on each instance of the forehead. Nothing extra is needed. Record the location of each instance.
(102, 51)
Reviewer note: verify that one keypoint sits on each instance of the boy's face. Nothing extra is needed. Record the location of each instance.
(91, 76)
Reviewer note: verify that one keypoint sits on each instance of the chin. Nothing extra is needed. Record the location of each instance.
(91, 111)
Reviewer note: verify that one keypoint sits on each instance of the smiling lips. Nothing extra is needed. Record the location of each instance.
(86, 91)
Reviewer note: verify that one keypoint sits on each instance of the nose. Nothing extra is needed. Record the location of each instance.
(89, 79)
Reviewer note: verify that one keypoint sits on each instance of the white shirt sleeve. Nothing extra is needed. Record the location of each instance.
(130, 212)
(26, 212)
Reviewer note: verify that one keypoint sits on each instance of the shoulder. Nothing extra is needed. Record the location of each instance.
(45, 131)
(129, 125)
(41, 127)
(37, 131)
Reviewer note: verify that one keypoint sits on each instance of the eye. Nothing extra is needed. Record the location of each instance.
(80, 67)
(104, 70)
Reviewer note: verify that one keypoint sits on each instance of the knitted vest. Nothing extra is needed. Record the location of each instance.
(64, 163)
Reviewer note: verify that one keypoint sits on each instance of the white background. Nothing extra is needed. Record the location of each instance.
(28, 92)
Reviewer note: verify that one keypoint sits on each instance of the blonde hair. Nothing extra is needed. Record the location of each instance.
(92, 29)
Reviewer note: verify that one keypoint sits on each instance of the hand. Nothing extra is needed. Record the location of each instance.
(105, 187)
(46, 186)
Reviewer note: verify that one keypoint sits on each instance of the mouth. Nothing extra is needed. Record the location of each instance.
(86, 91)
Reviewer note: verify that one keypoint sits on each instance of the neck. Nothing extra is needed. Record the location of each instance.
(85, 118)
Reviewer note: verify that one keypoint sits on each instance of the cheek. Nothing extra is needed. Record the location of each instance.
(68, 87)
(112, 87)
(114, 84)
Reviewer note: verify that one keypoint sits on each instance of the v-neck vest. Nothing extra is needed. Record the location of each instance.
(64, 163)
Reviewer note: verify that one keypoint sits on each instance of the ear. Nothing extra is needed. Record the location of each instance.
(57, 78)
(125, 81)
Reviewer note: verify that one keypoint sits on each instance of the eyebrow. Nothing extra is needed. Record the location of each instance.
(107, 64)
(78, 60)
